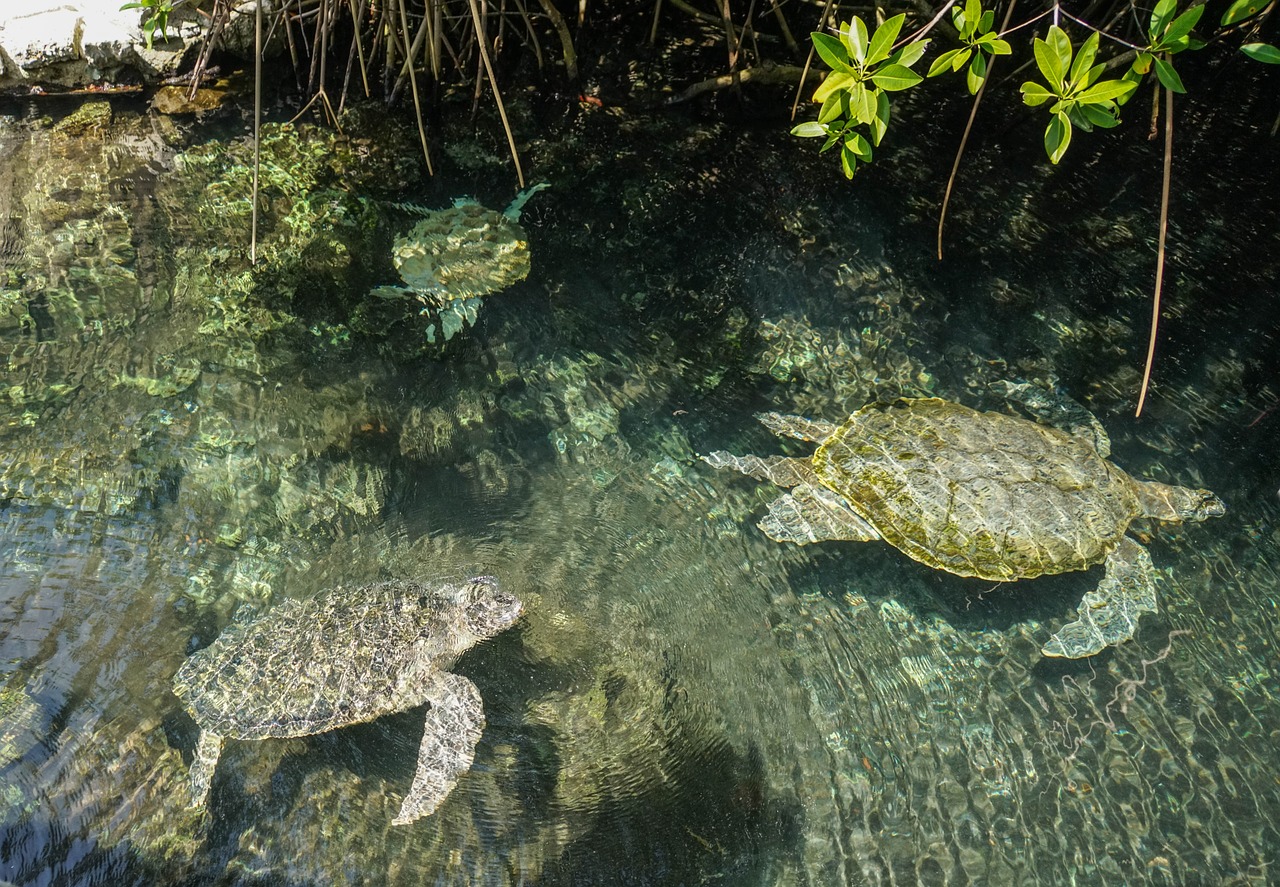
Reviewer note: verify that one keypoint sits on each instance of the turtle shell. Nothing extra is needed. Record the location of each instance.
(462, 252)
(978, 494)
(309, 666)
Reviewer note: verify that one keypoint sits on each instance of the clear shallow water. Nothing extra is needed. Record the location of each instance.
(685, 701)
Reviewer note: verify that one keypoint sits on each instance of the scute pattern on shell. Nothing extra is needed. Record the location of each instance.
(978, 494)
(332, 660)
(462, 252)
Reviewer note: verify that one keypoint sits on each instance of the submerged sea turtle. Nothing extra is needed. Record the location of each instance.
(455, 256)
(346, 656)
(977, 494)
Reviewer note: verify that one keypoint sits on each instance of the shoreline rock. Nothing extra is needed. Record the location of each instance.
(93, 44)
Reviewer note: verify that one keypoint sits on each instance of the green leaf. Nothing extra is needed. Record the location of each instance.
(958, 19)
(1057, 137)
(809, 130)
(1160, 18)
(1049, 58)
(835, 80)
(859, 146)
(1241, 10)
(943, 62)
(882, 40)
(909, 54)
(854, 37)
(1183, 24)
(1078, 119)
(977, 73)
(862, 104)
(973, 13)
(880, 125)
(1169, 78)
(848, 161)
(1099, 116)
(831, 50)
(988, 19)
(1262, 52)
(1142, 63)
(1106, 91)
(895, 77)
(1001, 47)
(836, 106)
(1084, 59)
(1035, 94)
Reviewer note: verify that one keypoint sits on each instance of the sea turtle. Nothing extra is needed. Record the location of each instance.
(455, 256)
(977, 494)
(346, 656)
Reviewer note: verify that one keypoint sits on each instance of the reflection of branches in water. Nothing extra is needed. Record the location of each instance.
(1126, 691)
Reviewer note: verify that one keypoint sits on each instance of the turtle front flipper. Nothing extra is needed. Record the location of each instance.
(811, 513)
(453, 726)
(1109, 613)
(203, 763)
(799, 427)
(781, 470)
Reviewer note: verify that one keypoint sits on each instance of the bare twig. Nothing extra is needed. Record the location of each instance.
(765, 73)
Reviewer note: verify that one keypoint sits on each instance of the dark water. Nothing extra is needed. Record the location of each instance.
(685, 701)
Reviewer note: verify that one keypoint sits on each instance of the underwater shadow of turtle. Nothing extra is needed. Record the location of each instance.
(347, 656)
(710, 818)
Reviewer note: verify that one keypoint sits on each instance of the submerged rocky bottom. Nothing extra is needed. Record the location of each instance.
(684, 701)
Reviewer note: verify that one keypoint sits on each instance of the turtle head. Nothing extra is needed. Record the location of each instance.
(1169, 503)
(489, 609)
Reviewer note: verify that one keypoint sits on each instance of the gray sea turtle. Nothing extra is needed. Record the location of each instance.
(977, 494)
(455, 256)
(346, 656)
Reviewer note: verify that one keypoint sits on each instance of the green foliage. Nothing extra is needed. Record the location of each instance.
(1167, 36)
(980, 45)
(1262, 52)
(158, 20)
(1079, 98)
(865, 68)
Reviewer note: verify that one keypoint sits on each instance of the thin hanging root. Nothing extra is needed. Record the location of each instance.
(357, 15)
(808, 61)
(533, 35)
(1164, 228)
(653, 31)
(566, 39)
(413, 85)
(964, 139)
(787, 36)
(257, 130)
(493, 83)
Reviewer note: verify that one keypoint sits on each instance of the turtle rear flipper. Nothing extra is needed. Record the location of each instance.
(812, 513)
(453, 727)
(1109, 613)
(203, 763)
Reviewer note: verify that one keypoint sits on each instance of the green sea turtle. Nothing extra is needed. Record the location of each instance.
(977, 494)
(454, 257)
(346, 656)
